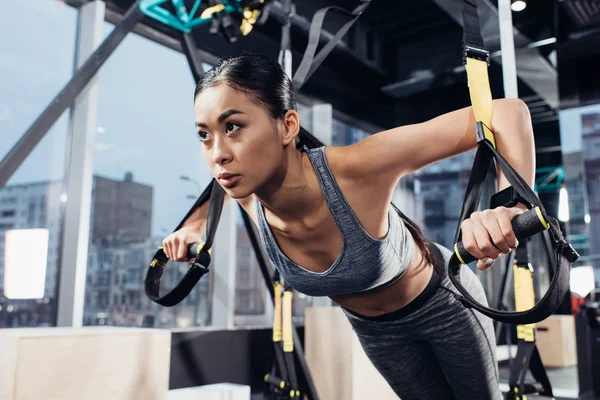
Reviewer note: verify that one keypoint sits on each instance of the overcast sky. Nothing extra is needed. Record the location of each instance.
(145, 107)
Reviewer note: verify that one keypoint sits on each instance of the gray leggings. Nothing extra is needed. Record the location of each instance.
(441, 350)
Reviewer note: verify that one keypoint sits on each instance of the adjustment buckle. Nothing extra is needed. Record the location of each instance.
(484, 133)
(478, 54)
(202, 260)
(569, 252)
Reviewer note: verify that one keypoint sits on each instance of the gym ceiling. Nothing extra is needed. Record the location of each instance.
(402, 61)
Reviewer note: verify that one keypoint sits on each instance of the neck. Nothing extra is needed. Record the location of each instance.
(292, 191)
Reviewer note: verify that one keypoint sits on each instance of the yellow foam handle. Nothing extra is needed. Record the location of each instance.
(201, 247)
(542, 219)
(481, 95)
(277, 313)
(458, 254)
(288, 341)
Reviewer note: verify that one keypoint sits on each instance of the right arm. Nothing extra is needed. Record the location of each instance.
(175, 245)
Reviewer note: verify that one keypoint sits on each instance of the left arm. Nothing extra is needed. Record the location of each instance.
(389, 155)
(382, 159)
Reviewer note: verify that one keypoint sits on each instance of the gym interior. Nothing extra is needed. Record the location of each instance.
(99, 162)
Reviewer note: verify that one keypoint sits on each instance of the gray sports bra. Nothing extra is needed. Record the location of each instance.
(364, 263)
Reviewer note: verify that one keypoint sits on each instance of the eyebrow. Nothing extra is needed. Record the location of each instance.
(221, 118)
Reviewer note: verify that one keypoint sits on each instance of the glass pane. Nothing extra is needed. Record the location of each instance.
(345, 134)
(148, 172)
(34, 69)
(251, 296)
(580, 133)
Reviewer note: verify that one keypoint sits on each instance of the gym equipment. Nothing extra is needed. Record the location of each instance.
(476, 59)
(281, 381)
(528, 357)
(230, 18)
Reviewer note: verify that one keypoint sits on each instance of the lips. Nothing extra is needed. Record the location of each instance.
(225, 175)
(228, 180)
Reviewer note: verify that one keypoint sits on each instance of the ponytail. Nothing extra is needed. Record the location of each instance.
(305, 138)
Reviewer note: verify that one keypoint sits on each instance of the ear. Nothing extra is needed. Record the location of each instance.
(291, 127)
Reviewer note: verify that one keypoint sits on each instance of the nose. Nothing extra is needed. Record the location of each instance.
(221, 153)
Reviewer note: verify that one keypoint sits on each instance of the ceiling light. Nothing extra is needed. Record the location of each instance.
(518, 5)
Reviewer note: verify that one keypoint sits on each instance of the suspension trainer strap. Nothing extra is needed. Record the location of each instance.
(471, 26)
(201, 252)
(476, 59)
(528, 358)
(310, 62)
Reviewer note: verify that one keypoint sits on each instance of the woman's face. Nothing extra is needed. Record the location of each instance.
(241, 144)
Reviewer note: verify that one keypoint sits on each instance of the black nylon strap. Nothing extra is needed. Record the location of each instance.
(474, 188)
(484, 155)
(562, 256)
(310, 63)
(202, 262)
(528, 358)
(179, 292)
(215, 208)
(538, 371)
(471, 25)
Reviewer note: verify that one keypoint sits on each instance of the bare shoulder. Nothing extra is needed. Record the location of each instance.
(351, 173)
(355, 169)
(342, 161)
(368, 195)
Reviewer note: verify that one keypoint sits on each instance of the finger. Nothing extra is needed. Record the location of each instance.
(470, 243)
(505, 222)
(484, 264)
(182, 250)
(167, 247)
(482, 237)
(491, 224)
(514, 211)
(175, 249)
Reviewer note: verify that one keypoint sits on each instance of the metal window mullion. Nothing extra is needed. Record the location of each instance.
(79, 175)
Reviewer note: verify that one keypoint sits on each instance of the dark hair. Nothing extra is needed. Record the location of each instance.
(264, 81)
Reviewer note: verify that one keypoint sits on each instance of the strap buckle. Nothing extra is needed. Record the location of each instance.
(202, 260)
(484, 133)
(476, 53)
(569, 252)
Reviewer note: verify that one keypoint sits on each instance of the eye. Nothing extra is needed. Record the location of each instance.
(232, 127)
(203, 136)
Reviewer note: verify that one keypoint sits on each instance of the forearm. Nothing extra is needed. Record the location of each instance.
(197, 220)
(514, 140)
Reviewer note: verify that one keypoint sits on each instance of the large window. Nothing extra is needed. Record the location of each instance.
(580, 137)
(345, 134)
(33, 68)
(148, 171)
(250, 290)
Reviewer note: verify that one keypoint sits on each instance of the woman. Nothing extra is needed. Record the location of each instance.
(327, 224)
